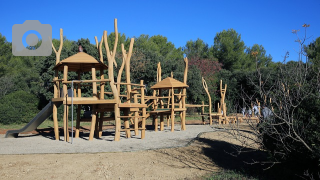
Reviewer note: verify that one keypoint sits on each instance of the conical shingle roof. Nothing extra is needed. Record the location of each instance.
(169, 83)
(80, 62)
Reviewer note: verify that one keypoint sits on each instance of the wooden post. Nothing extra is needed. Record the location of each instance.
(55, 121)
(184, 92)
(121, 69)
(102, 84)
(205, 86)
(118, 122)
(111, 63)
(180, 106)
(93, 122)
(184, 111)
(144, 111)
(94, 84)
(66, 108)
(58, 53)
(99, 47)
(202, 113)
(172, 110)
(96, 128)
(65, 122)
(161, 114)
(127, 58)
(136, 118)
(79, 108)
(223, 105)
(155, 120)
(78, 121)
(56, 86)
(225, 114)
(79, 85)
(219, 111)
(100, 124)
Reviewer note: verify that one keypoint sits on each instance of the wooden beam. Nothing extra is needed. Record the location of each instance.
(58, 53)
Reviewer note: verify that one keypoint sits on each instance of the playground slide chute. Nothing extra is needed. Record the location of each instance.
(35, 122)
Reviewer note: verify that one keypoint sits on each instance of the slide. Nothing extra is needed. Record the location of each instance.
(35, 122)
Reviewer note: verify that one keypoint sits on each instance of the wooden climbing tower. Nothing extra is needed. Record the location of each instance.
(82, 63)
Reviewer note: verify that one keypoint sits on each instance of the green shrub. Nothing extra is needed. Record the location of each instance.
(230, 175)
(18, 107)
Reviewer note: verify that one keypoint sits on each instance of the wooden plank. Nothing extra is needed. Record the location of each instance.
(130, 116)
(132, 105)
(84, 100)
(196, 105)
(86, 81)
(132, 84)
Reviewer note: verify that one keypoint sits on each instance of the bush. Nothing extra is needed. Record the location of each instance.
(18, 107)
(230, 175)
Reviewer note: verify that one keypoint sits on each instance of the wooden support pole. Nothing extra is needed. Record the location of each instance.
(144, 112)
(127, 58)
(65, 123)
(161, 122)
(161, 103)
(184, 91)
(79, 108)
(136, 114)
(58, 53)
(94, 84)
(79, 85)
(111, 63)
(202, 113)
(155, 120)
(56, 87)
(55, 121)
(118, 123)
(93, 122)
(78, 121)
(172, 110)
(96, 128)
(100, 124)
(126, 123)
(121, 69)
(102, 84)
(205, 86)
(66, 108)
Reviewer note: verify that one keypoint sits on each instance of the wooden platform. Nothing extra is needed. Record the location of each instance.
(84, 100)
(166, 110)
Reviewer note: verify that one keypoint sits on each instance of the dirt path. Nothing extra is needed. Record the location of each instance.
(209, 153)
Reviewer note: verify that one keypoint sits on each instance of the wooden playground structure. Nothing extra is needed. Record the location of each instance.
(169, 95)
(221, 114)
(128, 107)
(132, 104)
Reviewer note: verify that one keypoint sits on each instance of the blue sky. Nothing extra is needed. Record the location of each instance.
(268, 23)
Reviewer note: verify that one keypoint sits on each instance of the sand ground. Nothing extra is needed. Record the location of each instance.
(190, 154)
